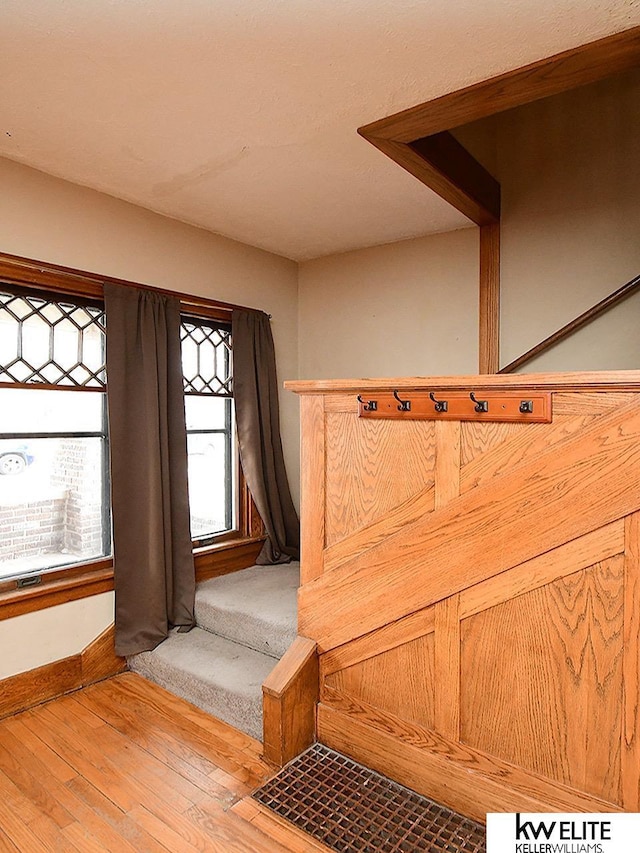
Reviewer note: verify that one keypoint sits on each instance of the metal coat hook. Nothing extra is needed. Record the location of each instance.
(405, 405)
(440, 405)
(368, 405)
(481, 405)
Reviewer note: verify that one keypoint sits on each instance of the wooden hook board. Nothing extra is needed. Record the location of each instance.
(509, 406)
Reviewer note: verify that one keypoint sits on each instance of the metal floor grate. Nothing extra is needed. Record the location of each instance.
(350, 808)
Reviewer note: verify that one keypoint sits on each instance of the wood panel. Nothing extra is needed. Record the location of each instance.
(500, 447)
(400, 681)
(477, 440)
(479, 638)
(630, 757)
(389, 637)
(555, 498)
(395, 521)
(447, 468)
(365, 452)
(542, 680)
(290, 694)
(459, 758)
(444, 772)
(447, 667)
(312, 484)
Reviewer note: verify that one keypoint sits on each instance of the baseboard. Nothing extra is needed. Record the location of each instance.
(440, 774)
(27, 689)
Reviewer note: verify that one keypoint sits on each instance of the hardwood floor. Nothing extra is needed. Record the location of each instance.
(124, 766)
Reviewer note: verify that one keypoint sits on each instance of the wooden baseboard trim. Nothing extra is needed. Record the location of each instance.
(438, 775)
(27, 689)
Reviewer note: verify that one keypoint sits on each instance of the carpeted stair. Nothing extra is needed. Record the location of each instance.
(245, 622)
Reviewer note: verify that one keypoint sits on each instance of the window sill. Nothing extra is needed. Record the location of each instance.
(57, 587)
(230, 555)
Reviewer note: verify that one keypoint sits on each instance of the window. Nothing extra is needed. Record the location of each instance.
(212, 454)
(54, 489)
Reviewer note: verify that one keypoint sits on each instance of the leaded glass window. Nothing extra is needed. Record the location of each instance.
(212, 456)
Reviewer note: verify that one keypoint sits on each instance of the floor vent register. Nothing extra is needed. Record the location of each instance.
(350, 808)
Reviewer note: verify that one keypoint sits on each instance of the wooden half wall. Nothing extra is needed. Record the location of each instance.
(473, 589)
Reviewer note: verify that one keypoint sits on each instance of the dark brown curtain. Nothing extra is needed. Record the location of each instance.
(153, 560)
(255, 393)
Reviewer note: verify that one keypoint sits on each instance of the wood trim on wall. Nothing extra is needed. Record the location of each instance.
(446, 167)
(97, 661)
(489, 299)
(28, 272)
(553, 75)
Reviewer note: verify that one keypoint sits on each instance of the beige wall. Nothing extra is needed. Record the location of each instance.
(570, 175)
(406, 309)
(52, 220)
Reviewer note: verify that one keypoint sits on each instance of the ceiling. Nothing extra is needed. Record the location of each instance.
(240, 116)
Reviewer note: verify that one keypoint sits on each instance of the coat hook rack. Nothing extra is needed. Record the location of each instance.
(481, 405)
(440, 405)
(405, 405)
(368, 405)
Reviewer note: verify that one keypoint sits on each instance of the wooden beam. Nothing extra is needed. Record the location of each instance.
(473, 190)
(570, 69)
(448, 169)
(489, 299)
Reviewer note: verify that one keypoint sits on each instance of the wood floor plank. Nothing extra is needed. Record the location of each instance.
(55, 766)
(18, 832)
(124, 767)
(177, 791)
(121, 768)
(181, 721)
(30, 777)
(115, 818)
(175, 755)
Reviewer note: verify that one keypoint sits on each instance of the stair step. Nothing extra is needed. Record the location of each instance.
(256, 607)
(221, 677)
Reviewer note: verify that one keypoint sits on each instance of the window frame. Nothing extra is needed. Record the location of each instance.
(232, 453)
(229, 552)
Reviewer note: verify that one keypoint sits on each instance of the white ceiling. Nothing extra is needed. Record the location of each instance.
(240, 116)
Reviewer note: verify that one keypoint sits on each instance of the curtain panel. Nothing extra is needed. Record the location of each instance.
(153, 559)
(255, 394)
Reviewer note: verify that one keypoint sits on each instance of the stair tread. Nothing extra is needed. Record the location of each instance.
(220, 676)
(256, 607)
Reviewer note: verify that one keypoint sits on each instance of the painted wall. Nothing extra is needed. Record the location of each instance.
(52, 220)
(570, 177)
(405, 309)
